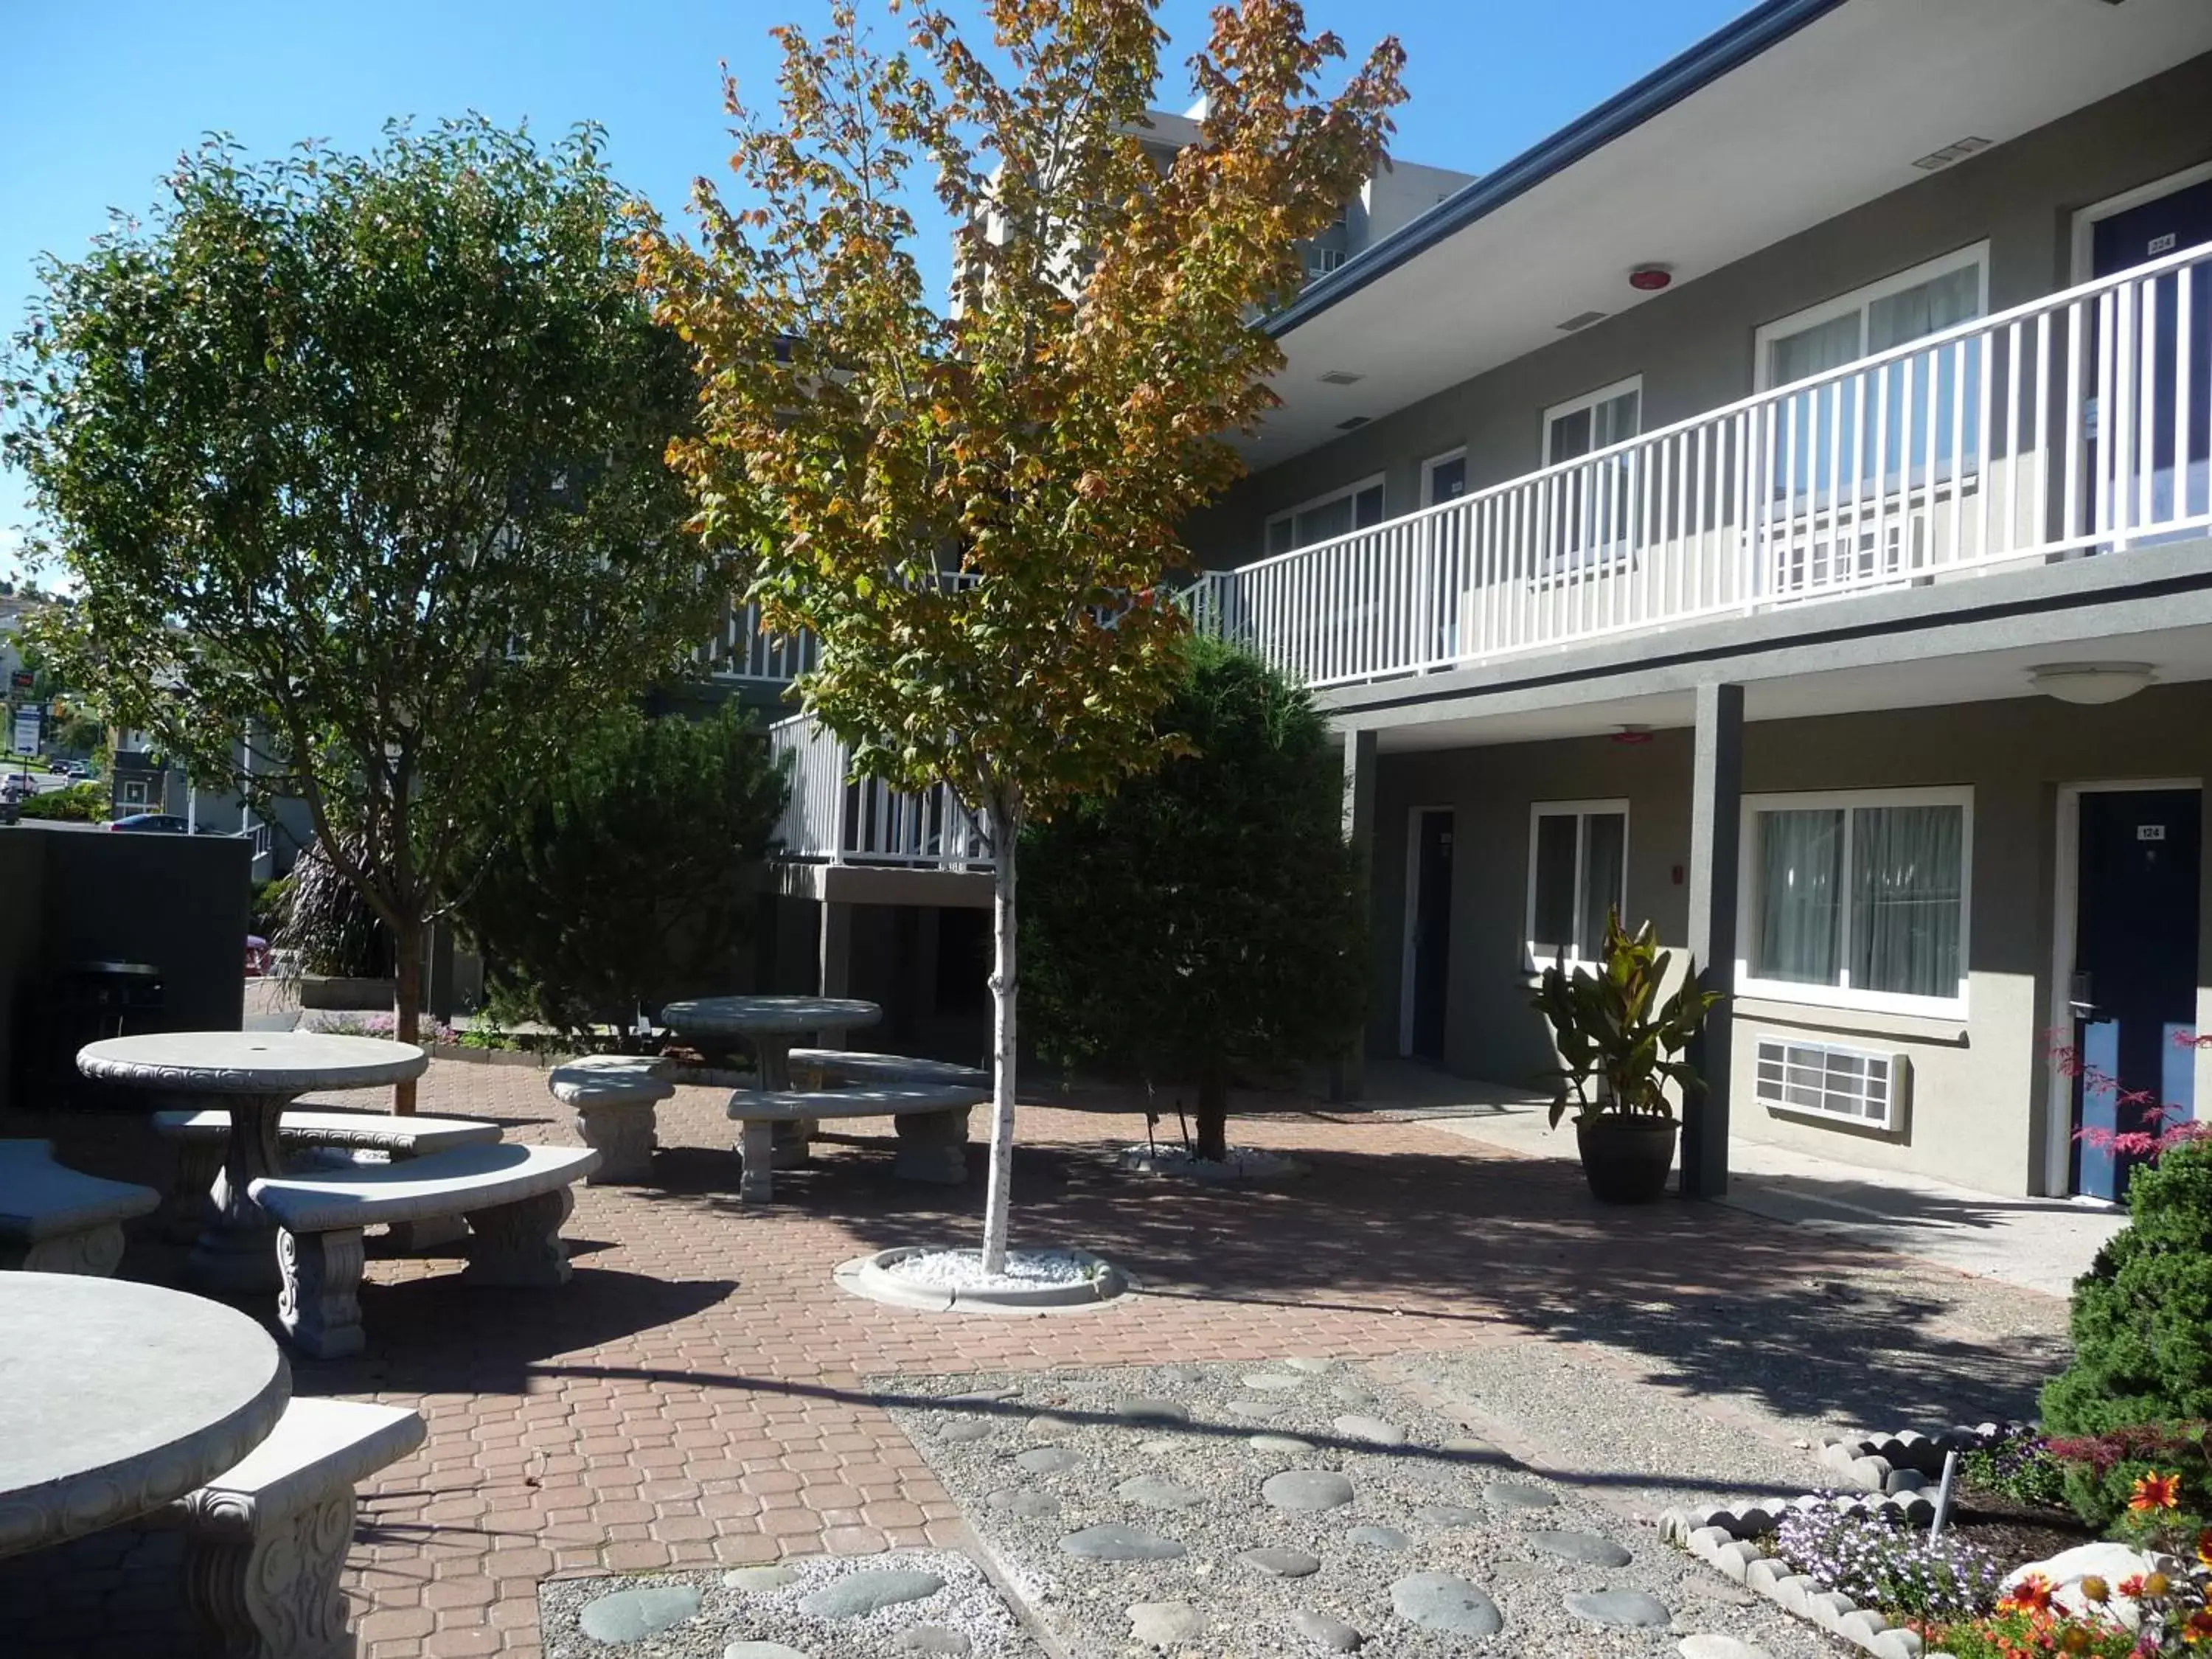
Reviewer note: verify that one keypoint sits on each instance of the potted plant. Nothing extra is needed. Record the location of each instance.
(1619, 1046)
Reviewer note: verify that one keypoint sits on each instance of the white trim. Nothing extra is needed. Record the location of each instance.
(1372, 480)
(1845, 995)
(1428, 474)
(1581, 811)
(2065, 919)
(1859, 299)
(1604, 394)
(1407, 969)
(2087, 219)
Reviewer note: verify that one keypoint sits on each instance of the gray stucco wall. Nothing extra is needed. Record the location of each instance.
(1693, 346)
(1978, 1116)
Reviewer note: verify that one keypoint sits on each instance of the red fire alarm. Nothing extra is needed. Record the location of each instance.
(1649, 279)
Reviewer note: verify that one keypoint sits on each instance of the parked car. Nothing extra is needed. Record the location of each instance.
(16, 785)
(163, 823)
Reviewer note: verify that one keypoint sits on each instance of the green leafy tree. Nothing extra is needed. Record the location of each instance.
(1047, 433)
(1206, 915)
(622, 880)
(357, 463)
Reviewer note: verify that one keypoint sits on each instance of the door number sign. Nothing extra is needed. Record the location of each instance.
(2150, 832)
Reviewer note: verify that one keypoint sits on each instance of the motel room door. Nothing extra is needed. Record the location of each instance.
(2134, 969)
(1431, 914)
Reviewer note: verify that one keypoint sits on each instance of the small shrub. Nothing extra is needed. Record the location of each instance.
(79, 803)
(1879, 1562)
(2020, 1466)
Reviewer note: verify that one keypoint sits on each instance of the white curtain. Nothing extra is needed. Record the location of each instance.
(1801, 859)
(1906, 899)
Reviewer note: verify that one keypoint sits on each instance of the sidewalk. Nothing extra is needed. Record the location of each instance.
(2041, 1243)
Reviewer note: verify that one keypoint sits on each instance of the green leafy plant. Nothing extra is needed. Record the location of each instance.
(1616, 1040)
(2019, 1466)
(2138, 1393)
(323, 925)
(79, 803)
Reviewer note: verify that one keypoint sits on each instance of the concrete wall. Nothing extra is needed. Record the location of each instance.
(1979, 1085)
(1693, 346)
(178, 902)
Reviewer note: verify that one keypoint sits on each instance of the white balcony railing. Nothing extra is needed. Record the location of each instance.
(1979, 446)
(831, 819)
(741, 652)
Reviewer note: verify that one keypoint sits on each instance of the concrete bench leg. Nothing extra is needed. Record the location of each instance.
(756, 1141)
(621, 1133)
(91, 1251)
(318, 1304)
(264, 1583)
(932, 1146)
(193, 1203)
(519, 1243)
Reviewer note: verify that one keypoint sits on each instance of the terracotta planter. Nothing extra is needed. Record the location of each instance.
(1624, 1159)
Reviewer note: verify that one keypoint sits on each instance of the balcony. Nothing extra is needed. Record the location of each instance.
(2077, 425)
(833, 821)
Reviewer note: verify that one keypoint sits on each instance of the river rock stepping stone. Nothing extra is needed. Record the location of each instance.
(1466, 1446)
(936, 1638)
(762, 1650)
(1354, 1394)
(1048, 1460)
(1372, 1430)
(964, 1434)
(1150, 1492)
(1281, 1563)
(1177, 1375)
(869, 1591)
(1146, 1409)
(1379, 1538)
(1311, 1367)
(1278, 1442)
(633, 1615)
(1116, 1541)
(1049, 1425)
(1626, 1609)
(1710, 1645)
(1020, 1500)
(1445, 1602)
(1307, 1489)
(1518, 1497)
(1586, 1549)
(982, 1396)
(1273, 1380)
(1166, 1623)
(1330, 1635)
(758, 1580)
(1259, 1409)
(1451, 1514)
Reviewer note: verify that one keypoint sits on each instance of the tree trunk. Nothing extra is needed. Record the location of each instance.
(407, 1013)
(998, 1198)
(1213, 1113)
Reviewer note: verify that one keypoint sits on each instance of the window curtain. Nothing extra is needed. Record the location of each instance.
(1605, 852)
(1906, 899)
(1800, 855)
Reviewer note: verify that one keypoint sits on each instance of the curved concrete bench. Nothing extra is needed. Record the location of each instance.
(54, 1219)
(266, 1541)
(515, 1198)
(837, 1068)
(201, 1136)
(932, 1120)
(611, 1098)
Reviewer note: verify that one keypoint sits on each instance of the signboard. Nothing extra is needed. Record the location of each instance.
(27, 731)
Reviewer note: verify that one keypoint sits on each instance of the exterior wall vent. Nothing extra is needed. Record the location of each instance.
(1937, 161)
(1341, 377)
(1584, 320)
(1355, 420)
(1823, 1079)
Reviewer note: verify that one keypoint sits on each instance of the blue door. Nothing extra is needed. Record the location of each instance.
(2171, 439)
(2134, 980)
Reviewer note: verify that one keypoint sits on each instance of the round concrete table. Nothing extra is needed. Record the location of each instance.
(254, 1076)
(770, 1024)
(116, 1397)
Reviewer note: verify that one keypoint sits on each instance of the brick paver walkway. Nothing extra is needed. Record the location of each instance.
(696, 1395)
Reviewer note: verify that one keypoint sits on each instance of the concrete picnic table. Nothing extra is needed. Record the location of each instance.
(116, 1397)
(771, 1025)
(254, 1076)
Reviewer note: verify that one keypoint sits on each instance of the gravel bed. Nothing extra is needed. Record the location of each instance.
(761, 1607)
(1254, 1164)
(962, 1270)
(1282, 1507)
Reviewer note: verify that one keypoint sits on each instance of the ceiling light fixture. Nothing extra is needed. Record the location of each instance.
(2091, 683)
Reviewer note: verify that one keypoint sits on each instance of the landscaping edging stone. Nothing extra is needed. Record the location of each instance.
(1904, 1461)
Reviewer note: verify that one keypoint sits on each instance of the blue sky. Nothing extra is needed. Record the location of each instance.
(102, 98)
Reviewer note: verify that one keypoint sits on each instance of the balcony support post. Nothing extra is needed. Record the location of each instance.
(1715, 836)
(835, 961)
(1348, 1075)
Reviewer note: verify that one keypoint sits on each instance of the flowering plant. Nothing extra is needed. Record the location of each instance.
(1878, 1561)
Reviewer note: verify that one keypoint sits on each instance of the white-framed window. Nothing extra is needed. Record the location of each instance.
(1320, 261)
(1355, 507)
(1596, 420)
(1444, 477)
(1577, 876)
(1905, 306)
(1857, 899)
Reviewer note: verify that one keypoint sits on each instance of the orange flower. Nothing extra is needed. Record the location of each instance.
(2131, 1586)
(2155, 1491)
(2199, 1627)
(2031, 1594)
(2204, 1546)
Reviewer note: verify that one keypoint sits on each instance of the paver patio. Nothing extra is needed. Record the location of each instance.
(696, 1396)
